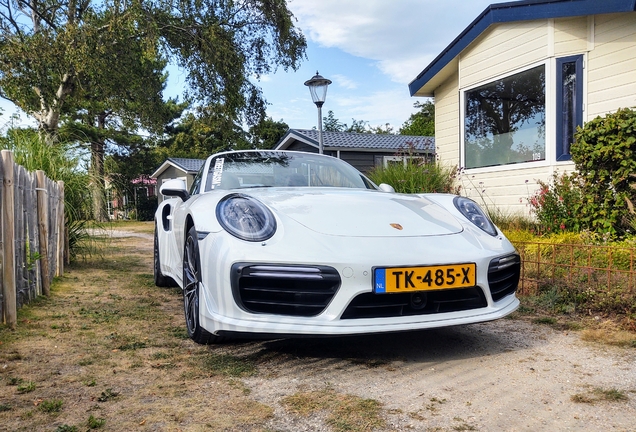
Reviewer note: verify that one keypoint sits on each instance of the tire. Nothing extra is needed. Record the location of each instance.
(160, 280)
(191, 287)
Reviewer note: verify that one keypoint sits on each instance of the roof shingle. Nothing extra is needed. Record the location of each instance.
(351, 140)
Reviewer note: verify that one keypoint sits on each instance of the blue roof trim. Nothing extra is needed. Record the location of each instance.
(517, 11)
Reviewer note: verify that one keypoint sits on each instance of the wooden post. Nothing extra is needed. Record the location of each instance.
(61, 228)
(8, 236)
(43, 225)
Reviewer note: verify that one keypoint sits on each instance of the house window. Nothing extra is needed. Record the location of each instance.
(504, 120)
(402, 160)
(569, 76)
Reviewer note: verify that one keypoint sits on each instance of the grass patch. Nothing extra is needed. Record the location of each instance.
(95, 422)
(619, 338)
(26, 387)
(229, 365)
(545, 320)
(66, 428)
(51, 406)
(345, 412)
(600, 395)
(120, 351)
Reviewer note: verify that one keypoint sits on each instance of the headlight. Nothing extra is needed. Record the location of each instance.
(245, 217)
(471, 211)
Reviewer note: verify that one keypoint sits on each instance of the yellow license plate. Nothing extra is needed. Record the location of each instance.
(409, 279)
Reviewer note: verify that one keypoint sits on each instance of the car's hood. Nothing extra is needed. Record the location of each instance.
(360, 213)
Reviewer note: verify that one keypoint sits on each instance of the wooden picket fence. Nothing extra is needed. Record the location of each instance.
(32, 244)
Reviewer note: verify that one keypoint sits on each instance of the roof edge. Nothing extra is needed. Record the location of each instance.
(524, 10)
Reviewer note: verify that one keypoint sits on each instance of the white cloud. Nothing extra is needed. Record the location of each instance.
(402, 36)
(377, 108)
(344, 81)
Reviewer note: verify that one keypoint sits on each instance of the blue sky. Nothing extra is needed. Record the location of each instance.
(370, 49)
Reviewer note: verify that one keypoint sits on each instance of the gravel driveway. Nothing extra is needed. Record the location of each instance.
(506, 375)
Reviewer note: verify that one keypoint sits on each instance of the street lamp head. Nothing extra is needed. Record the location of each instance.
(318, 88)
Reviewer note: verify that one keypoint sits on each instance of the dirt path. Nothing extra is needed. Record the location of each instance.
(108, 329)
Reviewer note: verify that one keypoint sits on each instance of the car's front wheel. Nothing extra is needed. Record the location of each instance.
(191, 291)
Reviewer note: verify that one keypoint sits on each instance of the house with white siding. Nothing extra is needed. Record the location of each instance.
(511, 89)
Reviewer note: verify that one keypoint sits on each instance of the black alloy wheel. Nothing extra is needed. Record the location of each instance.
(191, 287)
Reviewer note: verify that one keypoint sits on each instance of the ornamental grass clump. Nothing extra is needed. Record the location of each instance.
(417, 175)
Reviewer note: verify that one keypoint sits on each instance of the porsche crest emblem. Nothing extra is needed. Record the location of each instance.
(397, 226)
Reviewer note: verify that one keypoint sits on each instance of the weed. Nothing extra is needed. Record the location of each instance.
(51, 406)
(26, 387)
(66, 428)
(13, 381)
(95, 422)
(599, 395)
(5, 407)
(545, 320)
(107, 395)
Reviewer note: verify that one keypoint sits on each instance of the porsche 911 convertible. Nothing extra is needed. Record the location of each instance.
(282, 243)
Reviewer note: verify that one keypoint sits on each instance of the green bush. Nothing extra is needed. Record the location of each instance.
(605, 157)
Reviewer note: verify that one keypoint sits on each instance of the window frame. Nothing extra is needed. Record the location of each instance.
(560, 154)
(549, 110)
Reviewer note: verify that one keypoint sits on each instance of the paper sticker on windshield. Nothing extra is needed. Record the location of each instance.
(217, 172)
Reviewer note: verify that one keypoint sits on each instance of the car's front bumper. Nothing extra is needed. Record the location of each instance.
(353, 260)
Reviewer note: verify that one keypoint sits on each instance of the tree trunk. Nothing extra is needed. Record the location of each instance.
(98, 187)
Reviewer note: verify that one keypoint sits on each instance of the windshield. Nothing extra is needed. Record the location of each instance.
(281, 169)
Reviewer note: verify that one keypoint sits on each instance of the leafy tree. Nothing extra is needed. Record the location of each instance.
(201, 132)
(267, 133)
(421, 123)
(100, 62)
(387, 129)
(332, 124)
(50, 51)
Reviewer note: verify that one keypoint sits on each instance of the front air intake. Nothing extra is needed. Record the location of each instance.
(503, 276)
(284, 289)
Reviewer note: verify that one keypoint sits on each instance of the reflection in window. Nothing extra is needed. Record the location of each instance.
(504, 121)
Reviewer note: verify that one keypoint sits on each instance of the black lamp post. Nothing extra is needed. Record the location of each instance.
(318, 88)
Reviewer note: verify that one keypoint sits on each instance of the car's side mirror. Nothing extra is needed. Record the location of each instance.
(175, 188)
(386, 188)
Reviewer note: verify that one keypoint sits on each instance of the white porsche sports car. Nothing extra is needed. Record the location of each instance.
(282, 243)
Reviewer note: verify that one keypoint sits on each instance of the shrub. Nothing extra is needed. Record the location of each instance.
(557, 204)
(605, 157)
